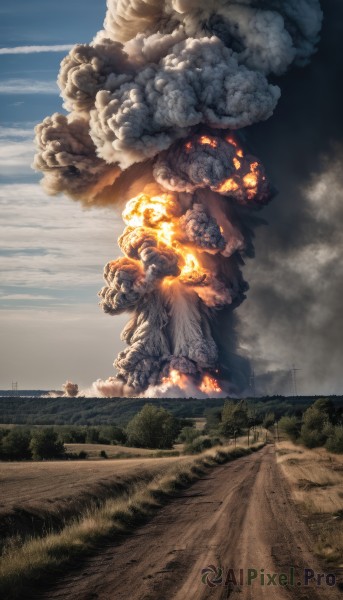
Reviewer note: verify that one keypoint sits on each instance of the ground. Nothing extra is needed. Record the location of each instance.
(240, 516)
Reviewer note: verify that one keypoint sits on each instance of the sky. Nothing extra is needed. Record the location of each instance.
(52, 250)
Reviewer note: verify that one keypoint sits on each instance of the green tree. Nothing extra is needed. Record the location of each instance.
(268, 420)
(234, 417)
(313, 429)
(152, 427)
(45, 444)
(188, 434)
(291, 426)
(334, 443)
(15, 444)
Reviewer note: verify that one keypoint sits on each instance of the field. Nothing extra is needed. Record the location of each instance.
(44, 495)
(316, 481)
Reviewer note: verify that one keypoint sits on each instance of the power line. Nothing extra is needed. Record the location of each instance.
(252, 383)
(294, 379)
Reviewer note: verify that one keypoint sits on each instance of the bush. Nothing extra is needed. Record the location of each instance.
(188, 434)
(313, 432)
(201, 443)
(334, 442)
(103, 454)
(15, 445)
(291, 426)
(45, 444)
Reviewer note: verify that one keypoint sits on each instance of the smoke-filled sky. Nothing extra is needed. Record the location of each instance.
(53, 251)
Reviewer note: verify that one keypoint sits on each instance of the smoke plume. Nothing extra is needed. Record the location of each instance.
(158, 105)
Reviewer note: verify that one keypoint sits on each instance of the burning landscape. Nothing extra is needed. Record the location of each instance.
(159, 105)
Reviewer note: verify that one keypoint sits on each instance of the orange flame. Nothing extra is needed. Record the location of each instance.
(158, 214)
(250, 181)
(175, 378)
(209, 384)
(206, 140)
(229, 185)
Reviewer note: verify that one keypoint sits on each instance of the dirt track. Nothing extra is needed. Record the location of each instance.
(240, 516)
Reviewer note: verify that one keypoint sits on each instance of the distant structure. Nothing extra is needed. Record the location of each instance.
(14, 388)
(294, 379)
(252, 384)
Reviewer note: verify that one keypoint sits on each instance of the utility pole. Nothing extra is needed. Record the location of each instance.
(294, 379)
(252, 384)
(14, 388)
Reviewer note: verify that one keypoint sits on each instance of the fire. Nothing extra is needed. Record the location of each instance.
(209, 384)
(159, 214)
(175, 378)
(229, 185)
(206, 140)
(237, 163)
(250, 181)
(188, 145)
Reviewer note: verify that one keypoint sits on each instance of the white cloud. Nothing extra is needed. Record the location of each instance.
(15, 158)
(54, 242)
(28, 86)
(34, 49)
(25, 297)
(16, 132)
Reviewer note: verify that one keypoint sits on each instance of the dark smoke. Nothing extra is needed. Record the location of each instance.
(166, 84)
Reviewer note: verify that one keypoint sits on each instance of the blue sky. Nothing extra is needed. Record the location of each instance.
(52, 251)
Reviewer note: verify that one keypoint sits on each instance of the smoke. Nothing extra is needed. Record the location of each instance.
(70, 389)
(155, 104)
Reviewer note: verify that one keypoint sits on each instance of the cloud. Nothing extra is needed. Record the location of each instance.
(35, 49)
(16, 151)
(25, 297)
(53, 244)
(28, 86)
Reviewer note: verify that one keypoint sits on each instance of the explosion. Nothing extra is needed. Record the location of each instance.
(159, 103)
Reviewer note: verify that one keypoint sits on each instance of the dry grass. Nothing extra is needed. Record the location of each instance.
(316, 479)
(93, 451)
(41, 497)
(27, 484)
(24, 565)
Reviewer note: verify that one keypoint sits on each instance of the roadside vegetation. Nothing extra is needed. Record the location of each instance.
(320, 425)
(28, 562)
(310, 454)
(316, 482)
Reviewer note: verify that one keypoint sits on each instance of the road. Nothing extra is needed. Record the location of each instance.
(240, 516)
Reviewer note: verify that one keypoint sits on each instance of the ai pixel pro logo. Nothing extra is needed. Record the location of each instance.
(214, 576)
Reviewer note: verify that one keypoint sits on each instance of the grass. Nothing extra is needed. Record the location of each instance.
(42, 497)
(316, 480)
(39, 557)
(117, 451)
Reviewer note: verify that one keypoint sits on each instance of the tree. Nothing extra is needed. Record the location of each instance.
(268, 420)
(15, 444)
(188, 434)
(313, 428)
(334, 443)
(291, 426)
(234, 417)
(45, 444)
(152, 427)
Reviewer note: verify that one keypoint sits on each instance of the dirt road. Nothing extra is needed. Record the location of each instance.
(239, 517)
